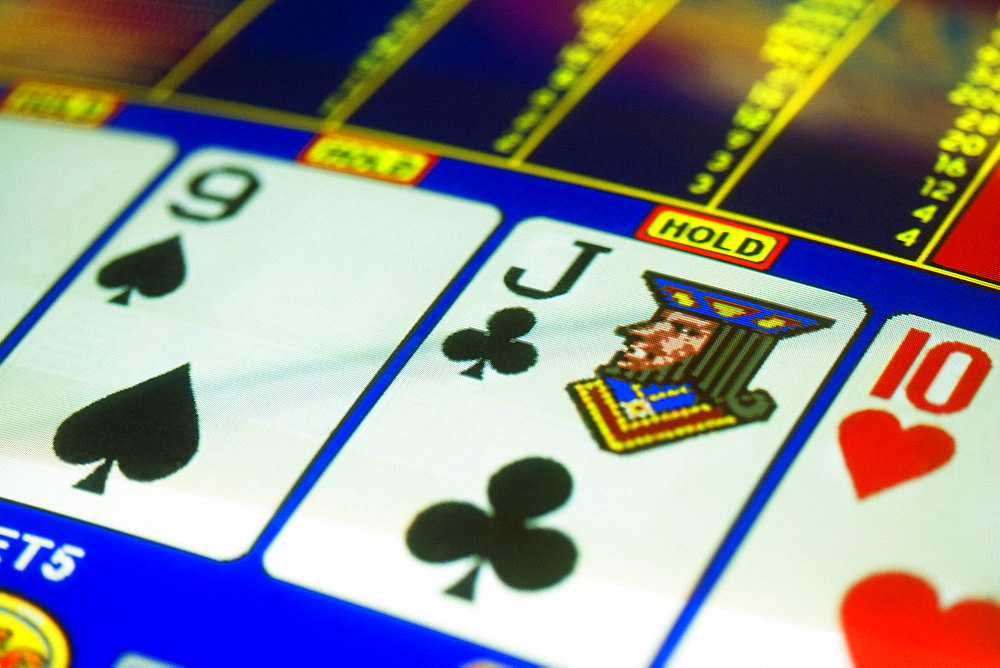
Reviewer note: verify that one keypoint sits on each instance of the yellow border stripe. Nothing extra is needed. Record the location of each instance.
(591, 77)
(836, 56)
(217, 38)
(970, 190)
(360, 95)
(249, 112)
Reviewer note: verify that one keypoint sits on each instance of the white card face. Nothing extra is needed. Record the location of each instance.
(61, 187)
(885, 528)
(595, 528)
(247, 304)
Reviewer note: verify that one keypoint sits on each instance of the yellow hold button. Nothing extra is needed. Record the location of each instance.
(367, 157)
(714, 237)
(62, 103)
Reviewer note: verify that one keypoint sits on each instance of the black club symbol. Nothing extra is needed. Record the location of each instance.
(498, 345)
(523, 556)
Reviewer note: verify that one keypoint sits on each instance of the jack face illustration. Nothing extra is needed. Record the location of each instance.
(656, 343)
(686, 370)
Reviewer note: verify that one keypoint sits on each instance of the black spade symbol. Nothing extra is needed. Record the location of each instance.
(498, 345)
(524, 557)
(154, 271)
(150, 430)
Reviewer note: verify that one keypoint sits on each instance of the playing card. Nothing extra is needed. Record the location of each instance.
(530, 483)
(879, 547)
(88, 177)
(188, 376)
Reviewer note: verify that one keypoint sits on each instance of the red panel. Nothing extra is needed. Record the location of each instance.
(973, 246)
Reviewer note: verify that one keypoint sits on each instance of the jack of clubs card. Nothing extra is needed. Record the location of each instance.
(505, 491)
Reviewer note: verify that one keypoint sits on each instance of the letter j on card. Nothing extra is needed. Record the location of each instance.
(553, 468)
(880, 546)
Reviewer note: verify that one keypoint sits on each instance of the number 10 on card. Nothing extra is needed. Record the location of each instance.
(928, 375)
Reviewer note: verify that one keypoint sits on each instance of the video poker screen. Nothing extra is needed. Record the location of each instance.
(496, 333)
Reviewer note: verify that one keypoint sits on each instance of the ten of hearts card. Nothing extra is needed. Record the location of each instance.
(879, 547)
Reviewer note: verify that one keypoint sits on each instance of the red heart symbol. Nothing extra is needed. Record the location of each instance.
(893, 619)
(880, 454)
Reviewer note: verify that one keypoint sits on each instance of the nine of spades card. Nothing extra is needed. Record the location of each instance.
(191, 372)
